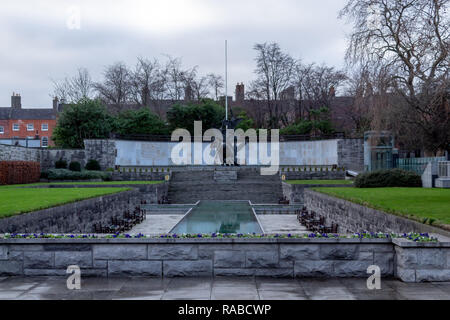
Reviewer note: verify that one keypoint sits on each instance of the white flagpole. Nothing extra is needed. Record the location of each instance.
(226, 80)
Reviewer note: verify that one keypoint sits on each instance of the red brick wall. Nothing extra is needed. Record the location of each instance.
(5, 125)
(19, 172)
(24, 133)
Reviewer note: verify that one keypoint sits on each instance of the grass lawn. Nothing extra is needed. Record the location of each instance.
(103, 183)
(349, 182)
(14, 201)
(415, 203)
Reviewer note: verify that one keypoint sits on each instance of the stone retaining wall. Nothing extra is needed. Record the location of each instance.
(285, 258)
(352, 217)
(296, 192)
(104, 151)
(422, 262)
(78, 217)
(196, 258)
(314, 175)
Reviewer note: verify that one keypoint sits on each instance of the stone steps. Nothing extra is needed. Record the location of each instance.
(192, 186)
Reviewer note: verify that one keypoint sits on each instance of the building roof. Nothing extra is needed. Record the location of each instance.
(27, 114)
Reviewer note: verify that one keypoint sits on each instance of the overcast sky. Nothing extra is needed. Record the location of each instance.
(40, 40)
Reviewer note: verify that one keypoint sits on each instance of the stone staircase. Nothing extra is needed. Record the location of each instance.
(192, 186)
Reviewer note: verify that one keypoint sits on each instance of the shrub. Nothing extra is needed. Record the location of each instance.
(75, 166)
(93, 165)
(44, 175)
(388, 178)
(61, 164)
(64, 174)
(19, 172)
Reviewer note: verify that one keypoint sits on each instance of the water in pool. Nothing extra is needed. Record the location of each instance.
(233, 217)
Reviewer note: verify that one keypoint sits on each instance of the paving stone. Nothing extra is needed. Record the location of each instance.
(406, 258)
(241, 272)
(432, 258)
(432, 275)
(132, 268)
(39, 260)
(406, 275)
(3, 252)
(172, 252)
(313, 268)
(200, 268)
(120, 252)
(385, 260)
(206, 252)
(10, 268)
(338, 252)
(351, 268)
(299, 252)
(229, 259)
(232, 294)
(262, 259)
(81, 259)
(282, 295)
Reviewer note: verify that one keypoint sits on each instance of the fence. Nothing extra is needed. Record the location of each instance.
(417, 165)
(444, 169)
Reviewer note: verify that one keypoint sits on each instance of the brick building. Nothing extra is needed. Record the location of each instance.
(31, 127)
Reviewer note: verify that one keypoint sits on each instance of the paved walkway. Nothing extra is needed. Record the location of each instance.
(157, 224)
(15, 288)
(281, 224)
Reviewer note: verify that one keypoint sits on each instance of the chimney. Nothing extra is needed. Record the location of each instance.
(16, 101)
(55, 103)
(240, 92)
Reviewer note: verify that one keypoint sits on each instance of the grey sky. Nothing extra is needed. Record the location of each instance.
(37, 46)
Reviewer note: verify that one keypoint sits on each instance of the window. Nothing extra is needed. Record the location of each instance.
(2, 130)
(30, 127)
(44, 142)
(44, 127)
(15, 127)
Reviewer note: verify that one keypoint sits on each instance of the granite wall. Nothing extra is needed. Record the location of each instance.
(296, 192)
(352, 217)
(196, 258)
(78, 217)
(351, 154)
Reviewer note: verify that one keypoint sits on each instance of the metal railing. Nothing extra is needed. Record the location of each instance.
(444, 169)
(417, 165)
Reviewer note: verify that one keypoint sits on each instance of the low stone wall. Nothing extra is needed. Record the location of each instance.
(296, 192)
(351, 154)
(13, 153)
(104, 151)
(151, 193)
(180, 258)
(422, 262)
(314, 175)
(78, 217)
(352, 217)
(139, 175)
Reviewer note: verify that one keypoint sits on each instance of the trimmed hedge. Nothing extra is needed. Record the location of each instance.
(61, 164)
(19, 172)
(75, 166)
(93, 165)
(64, 174)
(389, 178)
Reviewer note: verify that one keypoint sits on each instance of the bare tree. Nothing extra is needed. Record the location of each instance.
(145, 81)
(216, 83)
(274, 69)
(411, 38)
(316, 86)
(116, 86)
(74, 88)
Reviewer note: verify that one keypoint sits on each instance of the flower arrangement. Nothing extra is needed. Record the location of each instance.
(416, 237)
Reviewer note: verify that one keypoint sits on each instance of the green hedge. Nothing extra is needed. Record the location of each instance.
(389, 178)
(64, 174)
